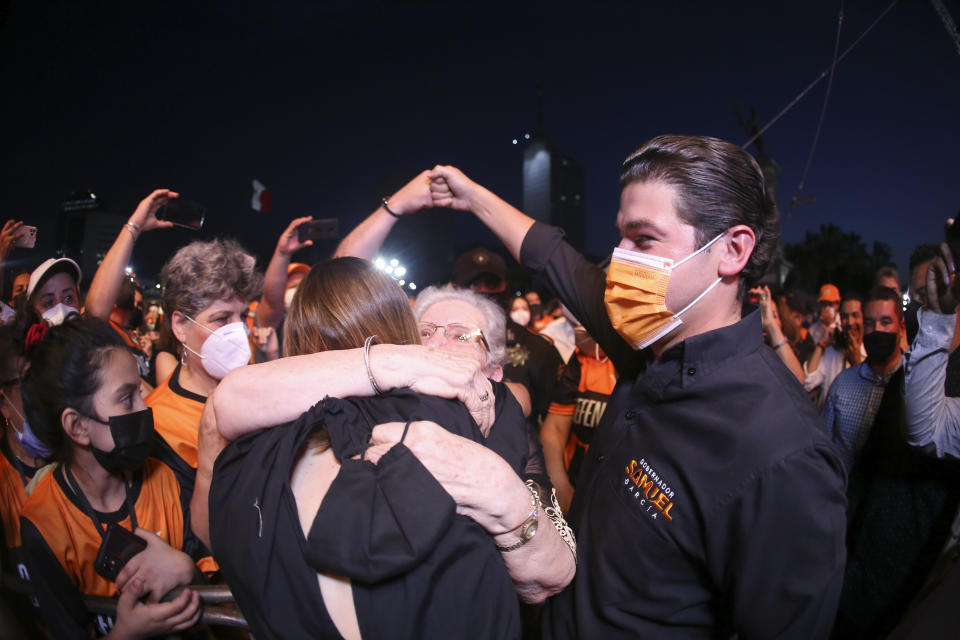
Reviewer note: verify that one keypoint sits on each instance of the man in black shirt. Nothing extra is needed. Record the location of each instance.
(711, 503)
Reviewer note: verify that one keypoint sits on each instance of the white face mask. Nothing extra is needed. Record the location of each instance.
(288, 298)
(56, 314)
(520, 316)
(224, 350)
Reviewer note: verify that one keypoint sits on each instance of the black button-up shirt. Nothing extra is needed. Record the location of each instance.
(711, 503)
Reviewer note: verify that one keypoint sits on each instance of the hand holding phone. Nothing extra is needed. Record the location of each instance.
(27, 238)
(118, 546)
(15, 234)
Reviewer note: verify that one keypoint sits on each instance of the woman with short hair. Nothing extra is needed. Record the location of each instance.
(206, 289)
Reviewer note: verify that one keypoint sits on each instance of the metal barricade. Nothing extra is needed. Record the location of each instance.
(210, 596)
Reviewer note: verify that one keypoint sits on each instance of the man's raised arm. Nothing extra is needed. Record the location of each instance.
(451, 188)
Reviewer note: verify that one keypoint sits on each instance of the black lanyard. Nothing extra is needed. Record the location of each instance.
(87, 509)
(16, 460)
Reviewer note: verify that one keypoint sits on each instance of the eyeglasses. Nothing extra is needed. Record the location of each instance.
(455, 331)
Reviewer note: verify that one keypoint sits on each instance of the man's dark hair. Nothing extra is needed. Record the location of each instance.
(126, 299)
(879, 294)
(719, 185)
(923, 253)
(854, 295)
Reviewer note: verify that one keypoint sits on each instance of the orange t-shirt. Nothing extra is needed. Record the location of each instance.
(176, 416)
(70, 535)
(12, 494)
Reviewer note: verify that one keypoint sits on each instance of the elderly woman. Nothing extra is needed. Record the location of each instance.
(206, 289)
(387, 555)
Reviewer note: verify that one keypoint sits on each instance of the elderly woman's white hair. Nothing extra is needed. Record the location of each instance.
(495, 323)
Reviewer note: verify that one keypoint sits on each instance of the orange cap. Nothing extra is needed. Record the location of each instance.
(297, 267)
(829, 293)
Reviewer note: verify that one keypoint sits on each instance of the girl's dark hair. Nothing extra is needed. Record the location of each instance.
(11, 352)
(63, 371)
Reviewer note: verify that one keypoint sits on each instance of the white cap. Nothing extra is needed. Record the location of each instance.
(56, 265)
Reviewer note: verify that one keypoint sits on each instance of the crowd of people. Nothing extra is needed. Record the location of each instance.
(668, 445)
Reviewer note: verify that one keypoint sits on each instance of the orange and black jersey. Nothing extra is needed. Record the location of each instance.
(61, 543)
(176, 417)
(582, 393)
(14, 476)
(130, 339)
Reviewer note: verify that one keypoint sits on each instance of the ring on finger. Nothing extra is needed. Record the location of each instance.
(485, 396)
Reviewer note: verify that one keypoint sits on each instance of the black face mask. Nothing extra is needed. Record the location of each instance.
(133, 438)
(880, 345)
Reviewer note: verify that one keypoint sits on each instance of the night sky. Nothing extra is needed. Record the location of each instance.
(320, 101)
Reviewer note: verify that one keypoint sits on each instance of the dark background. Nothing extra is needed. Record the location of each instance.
(321, 101)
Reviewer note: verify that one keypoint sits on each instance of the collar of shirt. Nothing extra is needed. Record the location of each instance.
(866, 373)
(700, 355)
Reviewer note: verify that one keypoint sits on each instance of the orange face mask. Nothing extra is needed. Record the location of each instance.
(637, 292)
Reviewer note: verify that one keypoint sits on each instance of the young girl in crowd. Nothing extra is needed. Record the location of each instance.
(81, 398)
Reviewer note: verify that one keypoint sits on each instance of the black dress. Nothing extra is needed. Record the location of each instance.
(417, 569)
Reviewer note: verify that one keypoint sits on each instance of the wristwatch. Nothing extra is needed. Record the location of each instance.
(528, 528)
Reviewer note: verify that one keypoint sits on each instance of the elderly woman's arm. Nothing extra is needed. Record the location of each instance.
(487, 490)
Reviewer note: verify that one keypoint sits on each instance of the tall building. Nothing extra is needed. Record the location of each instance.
(553, 189)
(85, 231)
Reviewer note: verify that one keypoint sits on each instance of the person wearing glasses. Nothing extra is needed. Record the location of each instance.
(319, 533)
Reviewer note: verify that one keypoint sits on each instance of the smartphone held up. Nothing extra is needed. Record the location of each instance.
(183, 213)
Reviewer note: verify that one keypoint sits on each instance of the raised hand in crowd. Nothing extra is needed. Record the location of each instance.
(270, 311)
(136, 619)
(12, 231)
(159, 567)
(365, 240)
(943, 289)
(773, 331)
(106, 283)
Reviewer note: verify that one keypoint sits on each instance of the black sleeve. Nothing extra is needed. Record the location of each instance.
(551, 366)
(569, 383)
(61, 604)
(579, 283)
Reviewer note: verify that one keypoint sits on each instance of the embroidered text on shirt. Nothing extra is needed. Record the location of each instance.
(643, 481)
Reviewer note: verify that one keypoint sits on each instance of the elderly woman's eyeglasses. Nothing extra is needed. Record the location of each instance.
(455, 331)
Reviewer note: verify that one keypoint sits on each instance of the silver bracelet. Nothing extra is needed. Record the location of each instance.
(555, 515)
(366, 362)
(780, 344)
(134, 229)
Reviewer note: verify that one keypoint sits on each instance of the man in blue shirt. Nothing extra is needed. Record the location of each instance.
(855, 395)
